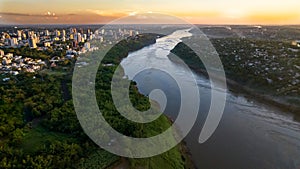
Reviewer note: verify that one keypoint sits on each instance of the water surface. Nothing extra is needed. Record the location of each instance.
(250, 135)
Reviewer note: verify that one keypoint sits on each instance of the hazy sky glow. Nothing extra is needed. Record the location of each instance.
(194, 11)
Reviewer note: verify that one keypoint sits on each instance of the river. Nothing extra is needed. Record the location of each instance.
(251, 134)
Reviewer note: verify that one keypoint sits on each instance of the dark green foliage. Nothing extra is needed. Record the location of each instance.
(34, 53)
(39, 127)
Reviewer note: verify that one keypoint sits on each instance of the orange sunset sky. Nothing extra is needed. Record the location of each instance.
(195, 11)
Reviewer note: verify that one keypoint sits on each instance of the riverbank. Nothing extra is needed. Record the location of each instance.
(186, 154)
(196, 66)
(173, 158)
(256, 135)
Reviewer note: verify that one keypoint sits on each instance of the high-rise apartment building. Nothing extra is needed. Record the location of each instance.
(32, 42)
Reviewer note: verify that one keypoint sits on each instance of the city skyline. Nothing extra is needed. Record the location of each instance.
(103, 11)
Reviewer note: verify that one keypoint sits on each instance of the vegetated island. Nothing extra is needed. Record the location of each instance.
(39, 127)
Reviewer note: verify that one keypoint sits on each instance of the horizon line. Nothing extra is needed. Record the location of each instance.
(203, 24)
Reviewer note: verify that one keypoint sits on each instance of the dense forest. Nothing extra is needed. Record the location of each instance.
(39, 127)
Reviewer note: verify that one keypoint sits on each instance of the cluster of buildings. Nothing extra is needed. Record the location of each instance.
(276, 62)
(19, 39)
(71, 41)
(41, 39)
(76, 39)
(14, 64)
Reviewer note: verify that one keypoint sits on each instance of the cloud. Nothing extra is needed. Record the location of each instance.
(53, 18)
(17, 14)
(132, 13)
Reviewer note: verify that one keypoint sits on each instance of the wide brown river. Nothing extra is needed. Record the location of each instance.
(251, 135)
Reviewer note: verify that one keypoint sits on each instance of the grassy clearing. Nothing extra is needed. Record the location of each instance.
(38, 137)
(98, 159)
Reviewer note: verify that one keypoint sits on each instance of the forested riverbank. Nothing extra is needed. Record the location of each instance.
(39, 127)
(243, 78)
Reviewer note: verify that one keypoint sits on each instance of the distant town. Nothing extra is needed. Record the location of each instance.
(58, 45)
